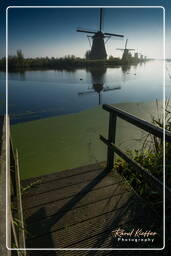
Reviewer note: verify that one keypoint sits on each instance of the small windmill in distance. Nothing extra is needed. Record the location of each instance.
(137, 56)
(126, 56)
(98, 50)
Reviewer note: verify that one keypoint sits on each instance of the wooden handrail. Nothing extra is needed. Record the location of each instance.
(5, 202)
(157, 131)
(112, 148)
(10, 189)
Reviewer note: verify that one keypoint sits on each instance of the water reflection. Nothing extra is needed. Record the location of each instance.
(18, 75)
(98, 77)
(125, 68)
(44, 93)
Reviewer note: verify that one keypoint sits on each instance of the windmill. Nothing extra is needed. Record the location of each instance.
(137, 55)
(126, 56)
(98, 50)
(141, 57)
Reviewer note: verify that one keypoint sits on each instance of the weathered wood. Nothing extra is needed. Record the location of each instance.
(82, 215)
(152, 129)
(111, 138)
(14, 233)
(73, 173)
(5, 201)
(21, 238)
(8, 169)
(146, 126)
(12, 170)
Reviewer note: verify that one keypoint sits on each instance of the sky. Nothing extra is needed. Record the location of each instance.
(52, 31)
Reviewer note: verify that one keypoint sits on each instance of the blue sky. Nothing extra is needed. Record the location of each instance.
(52, 31)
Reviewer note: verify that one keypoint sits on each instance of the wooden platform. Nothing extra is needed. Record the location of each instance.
(1, 126)
(80, 208)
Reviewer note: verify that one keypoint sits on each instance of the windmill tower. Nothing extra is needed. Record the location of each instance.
(98, 50)
(126, 56)
(136, 56)
(141, 57)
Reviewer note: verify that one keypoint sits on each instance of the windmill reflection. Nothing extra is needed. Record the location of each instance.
(98, 81)
(125, 68)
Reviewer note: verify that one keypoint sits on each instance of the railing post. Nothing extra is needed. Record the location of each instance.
(111, 138)
(12, 170)
(21, 233)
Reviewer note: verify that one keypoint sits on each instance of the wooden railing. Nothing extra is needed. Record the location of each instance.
(112, 148)
(12, 234)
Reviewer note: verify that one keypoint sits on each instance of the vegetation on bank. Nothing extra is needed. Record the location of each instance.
(67, 62)
(151, 158)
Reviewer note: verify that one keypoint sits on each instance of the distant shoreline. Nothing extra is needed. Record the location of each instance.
(68, 63)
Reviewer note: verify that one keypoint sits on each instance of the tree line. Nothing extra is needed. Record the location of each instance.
(67, 62)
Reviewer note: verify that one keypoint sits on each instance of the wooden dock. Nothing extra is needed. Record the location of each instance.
(80, 208)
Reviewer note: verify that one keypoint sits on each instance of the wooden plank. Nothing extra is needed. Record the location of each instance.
(12, 170)
(69, 236)
(132, 212)
(67, 191)
(67, 215)
(60, 183)
(46, 231)
(21, 232)
(64, 174)
(111, 138)
(86, 217)
(90, 198)
(5, 206)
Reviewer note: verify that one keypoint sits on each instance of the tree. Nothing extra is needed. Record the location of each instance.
(20, 58)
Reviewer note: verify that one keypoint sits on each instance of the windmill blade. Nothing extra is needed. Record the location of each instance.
(120, 49)
(131, 49)
(85, 31)
(101, 19)
(108, 37)
(86, 92)
(110, 34)
(89, 40)
(112, 89)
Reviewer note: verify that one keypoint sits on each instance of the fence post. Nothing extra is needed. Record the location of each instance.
(12, 170)
(21, 233)
(111, 138)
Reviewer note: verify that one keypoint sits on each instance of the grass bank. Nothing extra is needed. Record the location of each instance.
(64, 142)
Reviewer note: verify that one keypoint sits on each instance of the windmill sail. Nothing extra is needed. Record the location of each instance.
(98, 50)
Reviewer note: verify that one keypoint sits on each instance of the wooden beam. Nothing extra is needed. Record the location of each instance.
(111, 138)
(5, 200)
(21, 241)
(146, 126)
